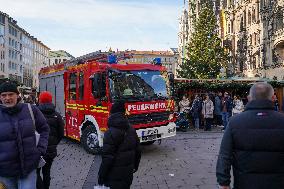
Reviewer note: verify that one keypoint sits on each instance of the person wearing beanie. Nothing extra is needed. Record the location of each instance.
(19, 153)
(56, 126)
(121, 151)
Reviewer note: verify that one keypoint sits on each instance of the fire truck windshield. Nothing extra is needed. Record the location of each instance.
(139, 85)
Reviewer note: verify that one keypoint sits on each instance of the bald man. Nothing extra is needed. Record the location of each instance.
(253, 144)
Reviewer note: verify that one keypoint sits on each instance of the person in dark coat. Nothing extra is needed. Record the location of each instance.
(121, 151)
(227, 107)
(19, 153)
(253, 144)
(196, 109)
(56, 133)
(218, 108)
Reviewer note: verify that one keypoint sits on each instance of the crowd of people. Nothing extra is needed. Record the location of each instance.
(252, 143)
(209, 109)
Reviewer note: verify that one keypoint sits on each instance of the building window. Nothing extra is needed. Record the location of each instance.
(279, 19)
(56, 61)
(249, 18)
(2, 19)
(253, 15)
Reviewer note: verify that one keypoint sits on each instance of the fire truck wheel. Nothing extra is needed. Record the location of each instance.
(90, 140)
(148, 143)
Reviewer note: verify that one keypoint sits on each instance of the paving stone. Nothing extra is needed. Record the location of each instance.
(187, 161)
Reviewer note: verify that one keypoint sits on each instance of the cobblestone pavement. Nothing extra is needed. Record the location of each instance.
(185, 161)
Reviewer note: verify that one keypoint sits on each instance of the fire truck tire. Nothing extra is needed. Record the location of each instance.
(148, 143)
(90, 140)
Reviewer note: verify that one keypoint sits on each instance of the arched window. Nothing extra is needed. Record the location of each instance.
(253, 15)
(279, 19)
(249, 18)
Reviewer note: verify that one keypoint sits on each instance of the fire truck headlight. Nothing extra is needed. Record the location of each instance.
(171, 116)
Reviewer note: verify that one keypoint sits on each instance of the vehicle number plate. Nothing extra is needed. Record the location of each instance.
(150, 132)
(150, 137)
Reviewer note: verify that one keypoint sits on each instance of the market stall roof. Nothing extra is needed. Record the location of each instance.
(233, 79)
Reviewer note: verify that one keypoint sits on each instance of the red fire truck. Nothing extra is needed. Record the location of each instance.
(84, 91)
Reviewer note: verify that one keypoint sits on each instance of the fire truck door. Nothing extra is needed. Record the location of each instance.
(99, 101)
(72, 108)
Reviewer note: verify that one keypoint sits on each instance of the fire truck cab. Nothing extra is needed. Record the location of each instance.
(84, 93)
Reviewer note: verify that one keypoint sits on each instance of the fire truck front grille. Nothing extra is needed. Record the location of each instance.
(148, 118)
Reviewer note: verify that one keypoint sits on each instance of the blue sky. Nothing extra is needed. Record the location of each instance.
(84, 26)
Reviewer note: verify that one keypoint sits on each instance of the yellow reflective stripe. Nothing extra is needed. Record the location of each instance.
(99, 107)
(80, 105)
(70, 104)
(74, 108)
(103, 129)
(99, 111)
(81, 108)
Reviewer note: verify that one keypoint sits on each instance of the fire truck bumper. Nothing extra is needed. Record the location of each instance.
(156, 133)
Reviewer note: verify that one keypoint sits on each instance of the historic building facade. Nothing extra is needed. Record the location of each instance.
(21, 54)
(168, 58)
(253, 33)
(56, 57)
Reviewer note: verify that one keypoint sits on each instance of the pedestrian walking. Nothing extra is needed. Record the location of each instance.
(121, 151)
(184, 104)
(208, 111)
(276, 103)
(196, 109)
(19, 153)
(227, 106)
(238, 105)
(56, 126)
(218, 109)
(253, 144)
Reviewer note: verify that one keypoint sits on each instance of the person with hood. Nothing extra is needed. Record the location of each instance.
(121, 151)
(56, 133)
(20, 153)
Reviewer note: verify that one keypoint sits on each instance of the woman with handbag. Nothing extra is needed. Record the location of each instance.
(121, 151)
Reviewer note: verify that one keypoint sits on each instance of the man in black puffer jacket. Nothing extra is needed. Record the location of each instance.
(253, 144)
(56, 133)
(121, 151)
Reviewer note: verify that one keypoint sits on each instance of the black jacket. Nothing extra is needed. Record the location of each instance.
(56, 126)
(253, 144)
(121, 153)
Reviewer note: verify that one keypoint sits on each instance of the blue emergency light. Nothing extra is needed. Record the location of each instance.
(157, 61)
(112, 59)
